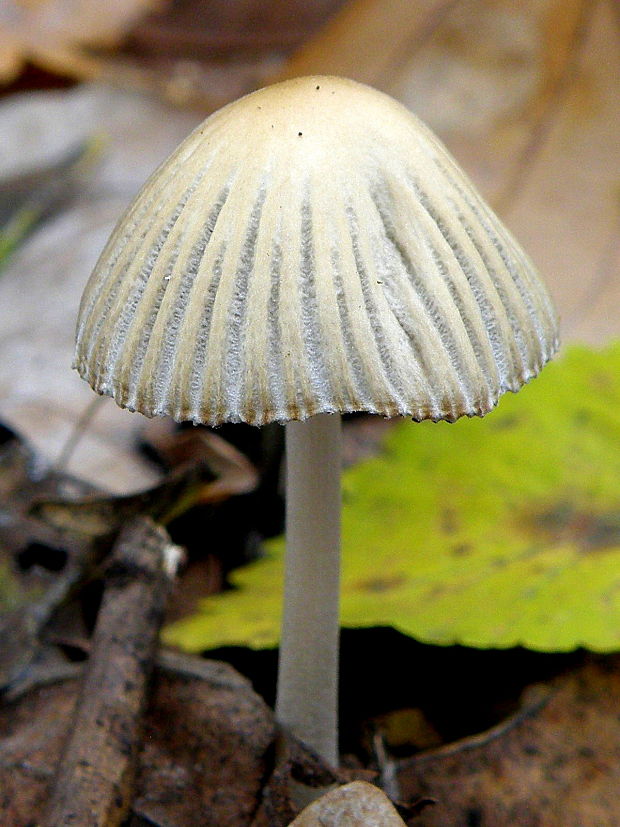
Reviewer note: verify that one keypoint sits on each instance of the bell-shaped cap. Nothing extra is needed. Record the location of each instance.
(311, 248)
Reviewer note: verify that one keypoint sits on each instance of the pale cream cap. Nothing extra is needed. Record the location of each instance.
(311, 248)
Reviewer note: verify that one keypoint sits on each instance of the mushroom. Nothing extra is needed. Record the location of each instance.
(311, 250)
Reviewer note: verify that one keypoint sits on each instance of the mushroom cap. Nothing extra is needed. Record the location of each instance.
(311, 248)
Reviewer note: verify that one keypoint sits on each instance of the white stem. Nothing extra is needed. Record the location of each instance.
(307, 698)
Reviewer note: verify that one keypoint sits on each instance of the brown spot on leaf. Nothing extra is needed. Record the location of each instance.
(504, 423)
(601, 381)
(449, 520)
(382, 584)
(564, 524)
(582, 416)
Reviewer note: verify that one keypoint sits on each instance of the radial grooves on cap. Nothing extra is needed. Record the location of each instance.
(190, 383)
(451, 301)
(441, 311)
(129, 359)
(296, 383)
(540, 312)
(451, 383)
(275, 409)
(126, 348)
(363, 395)
(113, 250)
(315, 346)
(391, 374)
(496, 320)
(532, 293)
(355, 323)
(109, 274)
(163, 355)
(255, 391)
(147, 205)
(235, 353)
(105, 283)
(516, 312)
(273, 269)
(418, 337)
(477, 338)
(484, 238)
(122, 303)
(460, 302)
(339, 359)
(224, 354)
(186, 382)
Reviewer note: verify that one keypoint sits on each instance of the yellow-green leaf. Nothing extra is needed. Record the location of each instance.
(491, 532)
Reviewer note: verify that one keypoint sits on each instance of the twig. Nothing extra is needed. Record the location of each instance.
(77, 432)
(95, 778)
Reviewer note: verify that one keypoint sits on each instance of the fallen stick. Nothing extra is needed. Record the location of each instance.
(94, 782)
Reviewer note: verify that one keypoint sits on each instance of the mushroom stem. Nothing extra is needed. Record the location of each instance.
(307, 697)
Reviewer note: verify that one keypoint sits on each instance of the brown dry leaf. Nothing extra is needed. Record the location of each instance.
(218, 28)
(566, 207)
(367, 40)
(204, 53)
(205, 755)
(52, 33)
(212, 471)
(199, 53)
(525, 95)
(554, 766)
(234, 473)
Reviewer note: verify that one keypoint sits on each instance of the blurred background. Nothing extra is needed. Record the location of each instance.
(525, 94)
(516, 539)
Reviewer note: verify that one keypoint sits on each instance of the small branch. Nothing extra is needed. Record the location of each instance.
(94, 782)
(78, 430)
